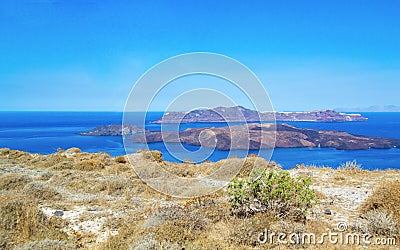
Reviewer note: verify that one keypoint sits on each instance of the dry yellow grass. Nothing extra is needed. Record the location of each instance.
(41, 191)
(14, 181)
(153, 155)
(97, 188)
(22, 221)
(385, 197)
(90, 165)
(121, 159)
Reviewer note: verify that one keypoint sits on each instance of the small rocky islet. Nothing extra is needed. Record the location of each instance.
(114, 130)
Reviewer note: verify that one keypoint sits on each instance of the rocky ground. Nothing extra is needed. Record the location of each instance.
(72, 199)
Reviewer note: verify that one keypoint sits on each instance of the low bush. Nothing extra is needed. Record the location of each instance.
(121, 159)
(63, 165)
(115, 186)
(351, 166)
(48, 161)
(378, 222)
(14, 181)
(153, 155)
(385, 197)
(22, 221)
(15, 155)
(181, 230)
(166, 214)
(90, 165)
(254, 163)
(73, 150)
(246, 232)
(41, 191)
(272, 191)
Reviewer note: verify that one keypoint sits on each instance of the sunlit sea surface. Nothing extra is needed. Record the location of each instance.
(45, 132)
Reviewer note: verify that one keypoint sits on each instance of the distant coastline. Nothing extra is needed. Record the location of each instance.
(375, 108)
(241, 114)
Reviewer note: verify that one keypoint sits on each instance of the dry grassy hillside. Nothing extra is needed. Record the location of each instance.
(74, 200)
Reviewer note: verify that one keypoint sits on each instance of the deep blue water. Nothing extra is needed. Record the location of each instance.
(44, 132)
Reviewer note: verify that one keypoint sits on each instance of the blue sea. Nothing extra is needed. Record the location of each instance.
(45, 132)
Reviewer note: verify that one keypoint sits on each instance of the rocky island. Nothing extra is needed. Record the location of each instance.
(250, 136)
(114, 130)
(241, 114)
(260, 136)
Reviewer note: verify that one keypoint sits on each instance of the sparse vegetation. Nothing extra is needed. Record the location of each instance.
(47, 244)
(272, 191)
(63, 165)
(51, 161)
(245, 232)
(121, 159)
(153, 155)
(22, 222)
(378, 222)
(102, 204)
(386, 197)
(14, 156)
(74, 150)
(14, 181)
(90, 165)
(181, 230)
(351, 166)
(41, 191)
(255, 164)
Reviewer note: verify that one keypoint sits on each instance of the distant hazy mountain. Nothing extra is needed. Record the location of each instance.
(375, 108)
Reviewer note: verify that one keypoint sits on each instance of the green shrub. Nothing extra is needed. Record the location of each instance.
(271, 191)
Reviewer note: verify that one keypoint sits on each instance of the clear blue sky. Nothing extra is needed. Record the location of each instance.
(86, 55)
